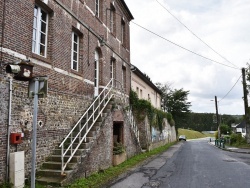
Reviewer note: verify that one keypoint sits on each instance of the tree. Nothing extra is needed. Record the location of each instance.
(175, 102)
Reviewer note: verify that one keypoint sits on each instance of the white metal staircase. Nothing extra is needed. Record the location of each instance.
(79, 132)
(79, 140)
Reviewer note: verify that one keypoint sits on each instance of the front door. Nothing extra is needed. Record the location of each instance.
(96, 81)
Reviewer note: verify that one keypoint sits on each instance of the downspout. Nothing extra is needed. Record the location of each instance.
(8, 130)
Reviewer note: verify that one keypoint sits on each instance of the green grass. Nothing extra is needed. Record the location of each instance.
(190, 134)
(103, 177)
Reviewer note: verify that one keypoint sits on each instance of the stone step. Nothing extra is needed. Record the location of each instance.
(91, 134)
(57, 165)
(53, 181)
(57, 158)
(52, 173)
(85, 146)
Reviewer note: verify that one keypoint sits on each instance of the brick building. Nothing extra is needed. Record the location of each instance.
(80, 45)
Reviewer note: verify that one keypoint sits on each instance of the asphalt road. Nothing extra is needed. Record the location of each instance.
(191, 164)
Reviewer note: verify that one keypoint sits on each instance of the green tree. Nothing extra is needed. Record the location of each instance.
(175, 102)
(225, 129)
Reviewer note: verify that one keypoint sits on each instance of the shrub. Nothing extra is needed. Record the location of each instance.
(118, 148)
(237, 139)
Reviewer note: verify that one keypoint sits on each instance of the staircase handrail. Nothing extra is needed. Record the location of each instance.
(107, 88)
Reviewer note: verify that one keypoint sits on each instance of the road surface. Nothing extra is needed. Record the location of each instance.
(191, 164)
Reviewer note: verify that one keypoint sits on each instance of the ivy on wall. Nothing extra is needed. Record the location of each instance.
(142, 108)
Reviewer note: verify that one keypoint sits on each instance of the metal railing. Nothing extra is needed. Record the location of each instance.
(133, 124)
(96, 109)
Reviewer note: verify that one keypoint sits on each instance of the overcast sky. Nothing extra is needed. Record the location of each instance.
(222, 24)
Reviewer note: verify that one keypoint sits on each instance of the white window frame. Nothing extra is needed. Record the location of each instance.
(122, 31)
(112, 20)
(37, 31)
(75, 51)
(112, 71)
(97, 8)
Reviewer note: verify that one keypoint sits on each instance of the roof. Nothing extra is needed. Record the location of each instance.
(127, 9)
(241, 125)
(135, 70)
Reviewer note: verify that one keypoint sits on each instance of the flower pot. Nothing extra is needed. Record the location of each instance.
(119, 158)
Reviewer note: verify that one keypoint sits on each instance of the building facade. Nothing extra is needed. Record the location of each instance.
(80, 45)
(144, 87)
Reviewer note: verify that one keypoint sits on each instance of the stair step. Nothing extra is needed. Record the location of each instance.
(84, 147)
(91, 134)
(57, 165)
(52, 173)
(57, 158)
(55, 181)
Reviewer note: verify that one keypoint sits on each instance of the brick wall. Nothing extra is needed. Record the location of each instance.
(70, 92)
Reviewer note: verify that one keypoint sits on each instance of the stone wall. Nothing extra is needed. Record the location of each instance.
(4, 95)
(151, 138)
(101, 154)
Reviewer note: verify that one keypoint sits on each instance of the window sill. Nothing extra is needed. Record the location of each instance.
(75, 72)
(41, 58)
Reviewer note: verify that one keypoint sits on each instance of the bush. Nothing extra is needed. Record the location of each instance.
(237, 139)
(6, 185)
(118, 148)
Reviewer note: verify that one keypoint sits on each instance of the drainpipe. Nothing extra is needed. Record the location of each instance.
(8, 130)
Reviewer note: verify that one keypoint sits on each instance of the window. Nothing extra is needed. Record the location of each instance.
(137, 91)
(123, 32)
(140, 93)
(40, 32)
(97, 8)
(124, 78)
(149, 97)
(112, 71)
(112, 20)
(75, 52)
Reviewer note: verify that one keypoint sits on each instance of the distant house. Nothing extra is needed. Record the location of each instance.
(241, 128)
(144, 87)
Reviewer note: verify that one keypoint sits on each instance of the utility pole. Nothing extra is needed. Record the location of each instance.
(217, 116)
(245, 103)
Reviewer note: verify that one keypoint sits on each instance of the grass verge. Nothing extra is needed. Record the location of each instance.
(191, 134)
(105, 176)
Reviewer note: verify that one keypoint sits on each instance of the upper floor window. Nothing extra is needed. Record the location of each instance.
(97, 8)
(123, 32)
(40, 32)
(112, 20)
(124, 78)
(75, 51)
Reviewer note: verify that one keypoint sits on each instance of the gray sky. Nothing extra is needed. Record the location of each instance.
(222, 24)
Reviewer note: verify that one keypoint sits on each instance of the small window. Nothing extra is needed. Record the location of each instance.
(75, 52)
(112, 20)
(40, 32)
(124, 78)
(112, 71)
(140, 93)
(123, 37)
(97, 8)
(137, 91)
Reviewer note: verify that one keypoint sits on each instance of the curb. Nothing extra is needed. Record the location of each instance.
(230, 150)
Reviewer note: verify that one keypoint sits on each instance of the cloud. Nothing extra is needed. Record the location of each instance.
(222, 24)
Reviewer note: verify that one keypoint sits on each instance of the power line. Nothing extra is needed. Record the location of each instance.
(183, 47)
(195, 34)
(231, 88)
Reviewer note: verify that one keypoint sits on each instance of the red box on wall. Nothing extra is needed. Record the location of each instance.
(15, 138)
